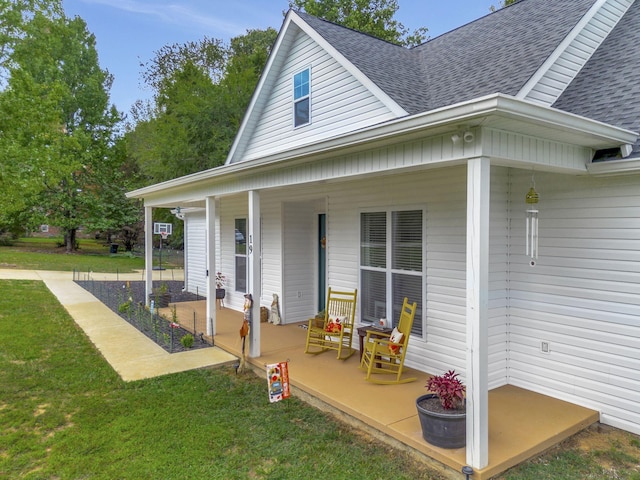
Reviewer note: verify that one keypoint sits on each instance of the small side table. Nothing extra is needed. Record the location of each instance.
(376, 331)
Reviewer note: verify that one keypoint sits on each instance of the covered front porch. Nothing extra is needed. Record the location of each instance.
(521, 423)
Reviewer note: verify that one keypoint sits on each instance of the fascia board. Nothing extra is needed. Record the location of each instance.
(614, 167)
(479, 110)
(555, 55)
(275, 53)
(561, 120)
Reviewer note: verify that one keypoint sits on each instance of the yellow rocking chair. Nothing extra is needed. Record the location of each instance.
(335, 331)
(385, 354)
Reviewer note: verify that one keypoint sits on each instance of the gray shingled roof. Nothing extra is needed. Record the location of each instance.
(608, 87)
(395, 69)
(499, 53)
(496, 53)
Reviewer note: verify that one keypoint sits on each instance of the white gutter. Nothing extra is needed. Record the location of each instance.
(498, 105)
(615, 167)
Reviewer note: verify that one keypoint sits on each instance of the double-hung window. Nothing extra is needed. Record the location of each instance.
(241, 255)
(302, 98)
(392, 264)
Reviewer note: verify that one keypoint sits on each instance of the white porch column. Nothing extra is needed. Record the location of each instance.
(254, 286)
(148, 253)
(210, 225)
(478, 192)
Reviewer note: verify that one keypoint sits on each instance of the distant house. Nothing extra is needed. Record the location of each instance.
(405, 172)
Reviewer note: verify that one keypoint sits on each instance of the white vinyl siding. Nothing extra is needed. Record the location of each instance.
(583, 295)
(442, 193)
(340, 104)
(271, 209)
(195, 258)
(230, 209)
(299, 261)
(563, 66)
(498, 276)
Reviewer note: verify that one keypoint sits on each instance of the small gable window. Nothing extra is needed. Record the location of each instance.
(301, 98)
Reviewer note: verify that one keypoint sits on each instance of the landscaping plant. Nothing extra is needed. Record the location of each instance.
(448, 388)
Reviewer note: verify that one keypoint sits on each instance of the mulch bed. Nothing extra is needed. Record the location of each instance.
(162, 330)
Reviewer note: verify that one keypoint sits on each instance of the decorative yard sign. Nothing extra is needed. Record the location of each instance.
(278, 381)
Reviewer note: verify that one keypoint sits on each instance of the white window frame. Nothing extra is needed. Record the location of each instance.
(390, 271)
(301, 98)
(237, 255)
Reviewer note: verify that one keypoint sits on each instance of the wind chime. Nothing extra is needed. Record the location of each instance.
(531, 241)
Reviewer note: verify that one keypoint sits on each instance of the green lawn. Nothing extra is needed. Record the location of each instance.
(45, 254)
(65, 414)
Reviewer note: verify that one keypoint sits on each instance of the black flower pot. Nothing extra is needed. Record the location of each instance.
(445, 429)
(220, 293)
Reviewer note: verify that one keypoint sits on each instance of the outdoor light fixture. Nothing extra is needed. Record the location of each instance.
(531, 229)
(466, 135)
(178, 213)
(467, 470)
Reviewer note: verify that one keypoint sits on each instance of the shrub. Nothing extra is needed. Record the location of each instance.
(187, 341)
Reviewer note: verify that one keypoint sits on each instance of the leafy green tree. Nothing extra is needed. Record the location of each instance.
(209, 55)
(57, 125)
(504, 3)
(375, 17)
(114, 214)
(201, 91)
(14, 15)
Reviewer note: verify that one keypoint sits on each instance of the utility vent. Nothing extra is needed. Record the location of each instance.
(607, 154)
(544, 347)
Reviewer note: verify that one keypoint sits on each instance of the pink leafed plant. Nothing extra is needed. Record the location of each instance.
(448, 388)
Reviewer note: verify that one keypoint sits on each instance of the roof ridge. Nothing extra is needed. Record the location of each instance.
(305, 14)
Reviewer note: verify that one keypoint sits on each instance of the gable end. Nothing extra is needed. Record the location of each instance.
(555, 75)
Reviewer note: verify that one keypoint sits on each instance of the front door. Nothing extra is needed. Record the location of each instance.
(322, 261)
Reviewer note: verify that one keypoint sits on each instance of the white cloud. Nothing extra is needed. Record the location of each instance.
(177, 14)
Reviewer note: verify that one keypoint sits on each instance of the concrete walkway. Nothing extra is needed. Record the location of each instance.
(126, 349)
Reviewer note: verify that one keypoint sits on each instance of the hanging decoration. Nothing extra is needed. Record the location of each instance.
(531, 241)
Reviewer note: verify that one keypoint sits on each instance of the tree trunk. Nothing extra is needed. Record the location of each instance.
(70, 238)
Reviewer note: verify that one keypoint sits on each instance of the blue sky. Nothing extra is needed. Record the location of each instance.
(128, 32)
